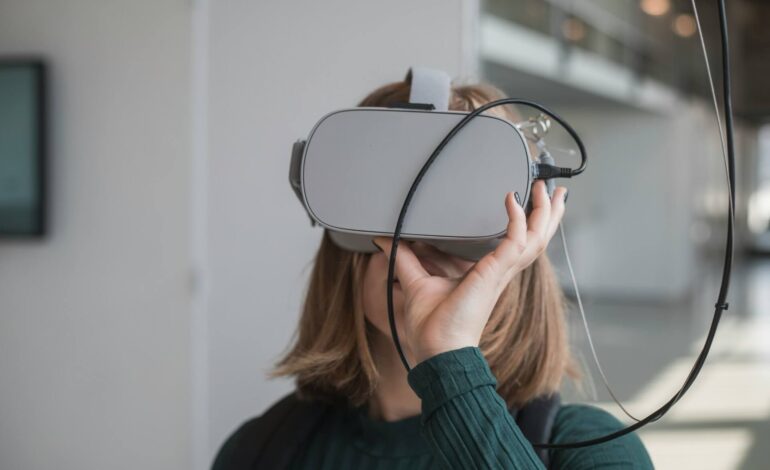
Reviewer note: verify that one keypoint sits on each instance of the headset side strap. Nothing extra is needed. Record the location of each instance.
(295, 167)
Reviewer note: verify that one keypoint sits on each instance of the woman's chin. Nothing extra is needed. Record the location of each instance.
(383, 324)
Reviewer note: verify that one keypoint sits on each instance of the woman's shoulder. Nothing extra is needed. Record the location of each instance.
(575, 422)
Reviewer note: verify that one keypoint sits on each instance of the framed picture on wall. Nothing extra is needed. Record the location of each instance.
(22, 147)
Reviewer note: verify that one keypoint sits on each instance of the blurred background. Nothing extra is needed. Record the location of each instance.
(136, 331)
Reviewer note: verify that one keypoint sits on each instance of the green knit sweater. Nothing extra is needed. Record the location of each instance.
(464, 424)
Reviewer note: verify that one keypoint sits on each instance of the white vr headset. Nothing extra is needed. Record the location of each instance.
(357, 165)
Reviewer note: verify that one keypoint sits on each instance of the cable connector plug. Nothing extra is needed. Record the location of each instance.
(543, 171)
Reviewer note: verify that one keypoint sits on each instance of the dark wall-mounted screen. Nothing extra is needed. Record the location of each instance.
(22, 147)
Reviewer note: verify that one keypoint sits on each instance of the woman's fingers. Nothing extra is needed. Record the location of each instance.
(497, 267)
(527, 238)
(524, 235)
(408, 266)
(509, 250)
(539, 218)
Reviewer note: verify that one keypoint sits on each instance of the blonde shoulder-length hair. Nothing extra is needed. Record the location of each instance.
(525, 341)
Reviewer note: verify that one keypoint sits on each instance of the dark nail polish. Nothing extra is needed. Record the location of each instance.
(517, 197)
(376, 245)
(566, 195)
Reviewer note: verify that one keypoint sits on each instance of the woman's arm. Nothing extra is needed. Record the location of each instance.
(468, 424)
(464, 418)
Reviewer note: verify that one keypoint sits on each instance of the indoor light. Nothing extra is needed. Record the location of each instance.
(573, 29)
(655, 7)
(684, 25)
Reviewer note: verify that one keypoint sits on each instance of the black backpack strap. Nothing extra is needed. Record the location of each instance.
(536, 420)
(272, 439)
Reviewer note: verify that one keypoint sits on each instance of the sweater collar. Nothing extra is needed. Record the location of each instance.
(399, 438)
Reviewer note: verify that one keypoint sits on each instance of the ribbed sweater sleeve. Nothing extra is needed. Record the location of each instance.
(464, 418)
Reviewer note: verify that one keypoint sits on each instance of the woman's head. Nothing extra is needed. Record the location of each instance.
(345, 309)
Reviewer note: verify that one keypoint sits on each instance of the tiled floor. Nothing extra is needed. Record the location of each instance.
(647, 350)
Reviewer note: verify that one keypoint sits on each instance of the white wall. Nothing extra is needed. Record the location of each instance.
(637, 220)
(629, 227)
(94, 328)
(275, 68)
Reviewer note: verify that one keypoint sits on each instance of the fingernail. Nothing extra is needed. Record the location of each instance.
(376, 245)
(566, 195)
(516, 196)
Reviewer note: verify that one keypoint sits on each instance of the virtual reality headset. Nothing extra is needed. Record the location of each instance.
(355, 167)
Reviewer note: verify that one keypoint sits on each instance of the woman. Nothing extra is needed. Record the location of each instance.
(485, 339)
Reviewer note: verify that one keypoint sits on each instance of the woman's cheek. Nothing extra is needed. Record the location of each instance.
(375, 294)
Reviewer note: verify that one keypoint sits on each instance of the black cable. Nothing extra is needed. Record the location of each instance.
(721, 303)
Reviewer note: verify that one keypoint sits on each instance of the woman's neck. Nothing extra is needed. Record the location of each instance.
(393, 398)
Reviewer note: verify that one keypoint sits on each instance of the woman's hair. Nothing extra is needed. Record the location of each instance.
(525, 340)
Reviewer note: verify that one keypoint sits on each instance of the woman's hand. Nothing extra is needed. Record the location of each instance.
(442, 314)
